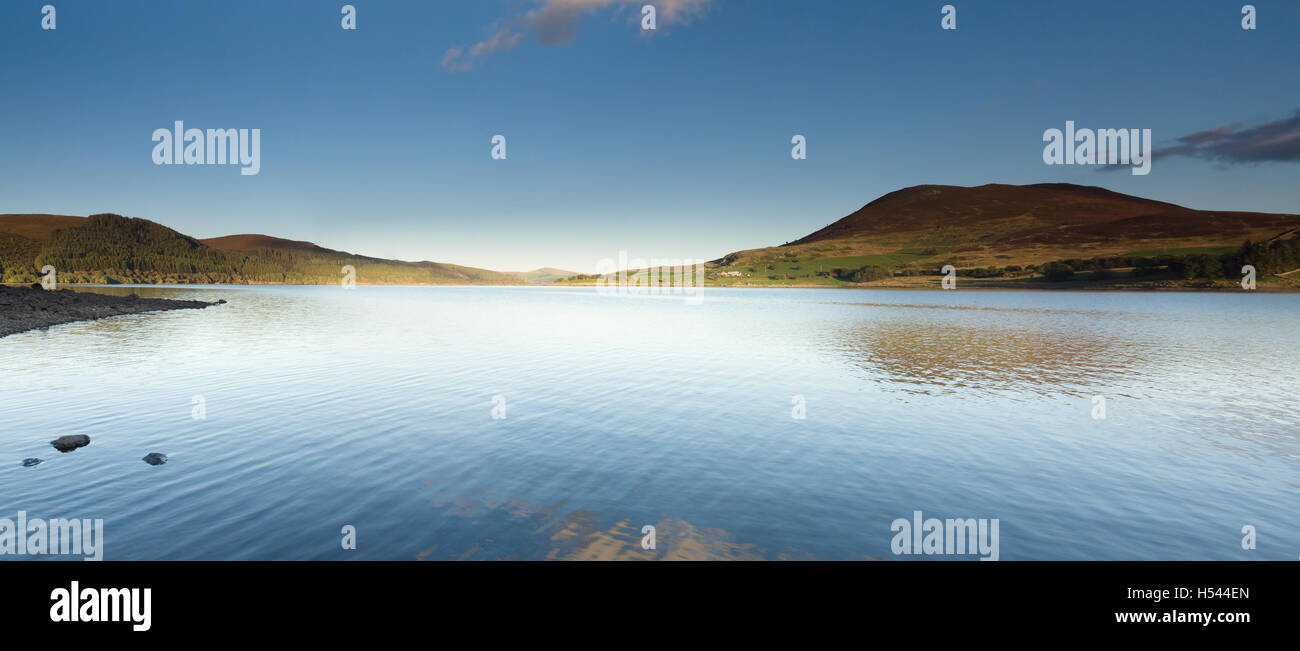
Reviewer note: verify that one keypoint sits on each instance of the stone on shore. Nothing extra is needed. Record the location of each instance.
(70, 442)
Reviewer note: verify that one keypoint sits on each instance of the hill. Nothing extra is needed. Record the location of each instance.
(252, 242)
(110, 248)
(36, 227)
(22, 236)
(1007, 232)
(543, 276)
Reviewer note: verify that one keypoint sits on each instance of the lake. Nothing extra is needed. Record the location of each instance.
(374, 408)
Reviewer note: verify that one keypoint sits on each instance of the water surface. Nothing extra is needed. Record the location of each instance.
(374, 408)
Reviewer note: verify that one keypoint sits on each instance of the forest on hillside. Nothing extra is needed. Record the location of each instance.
(1269, 258)
(111, 249)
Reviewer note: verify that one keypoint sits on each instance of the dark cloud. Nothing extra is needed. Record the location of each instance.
(1277, 141)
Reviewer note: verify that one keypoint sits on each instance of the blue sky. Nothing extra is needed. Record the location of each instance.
(673, 144)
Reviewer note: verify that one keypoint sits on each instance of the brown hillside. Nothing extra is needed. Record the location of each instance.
(248, 243)
(36, 226)
(1045, 206)
(1026, 224)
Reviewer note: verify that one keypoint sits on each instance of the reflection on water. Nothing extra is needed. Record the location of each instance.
(373, 408)
(675, 540)
(989, 357)
(554, 533)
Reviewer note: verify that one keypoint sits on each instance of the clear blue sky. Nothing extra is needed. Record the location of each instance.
(675, 144)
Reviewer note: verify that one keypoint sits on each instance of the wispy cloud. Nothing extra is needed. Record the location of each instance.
(459, 59)
(556, 22)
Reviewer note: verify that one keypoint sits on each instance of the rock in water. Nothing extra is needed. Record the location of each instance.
(28, 463)
(155, 459)
(70, 443)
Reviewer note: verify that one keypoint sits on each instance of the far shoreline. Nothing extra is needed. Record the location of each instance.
(963, 284)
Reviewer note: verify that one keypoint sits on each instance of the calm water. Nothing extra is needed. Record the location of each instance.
(373, 408)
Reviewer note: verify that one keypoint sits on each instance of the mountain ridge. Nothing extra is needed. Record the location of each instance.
(108, 249)
(990, 230)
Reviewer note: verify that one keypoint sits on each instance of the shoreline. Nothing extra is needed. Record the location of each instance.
(967, 284)
(972, 286)
(23, 308)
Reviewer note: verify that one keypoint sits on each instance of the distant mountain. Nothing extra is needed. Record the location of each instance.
(543, 276)
(995, 227)
(110, 248)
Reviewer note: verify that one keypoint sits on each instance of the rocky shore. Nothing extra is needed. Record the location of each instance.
(24, 308)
